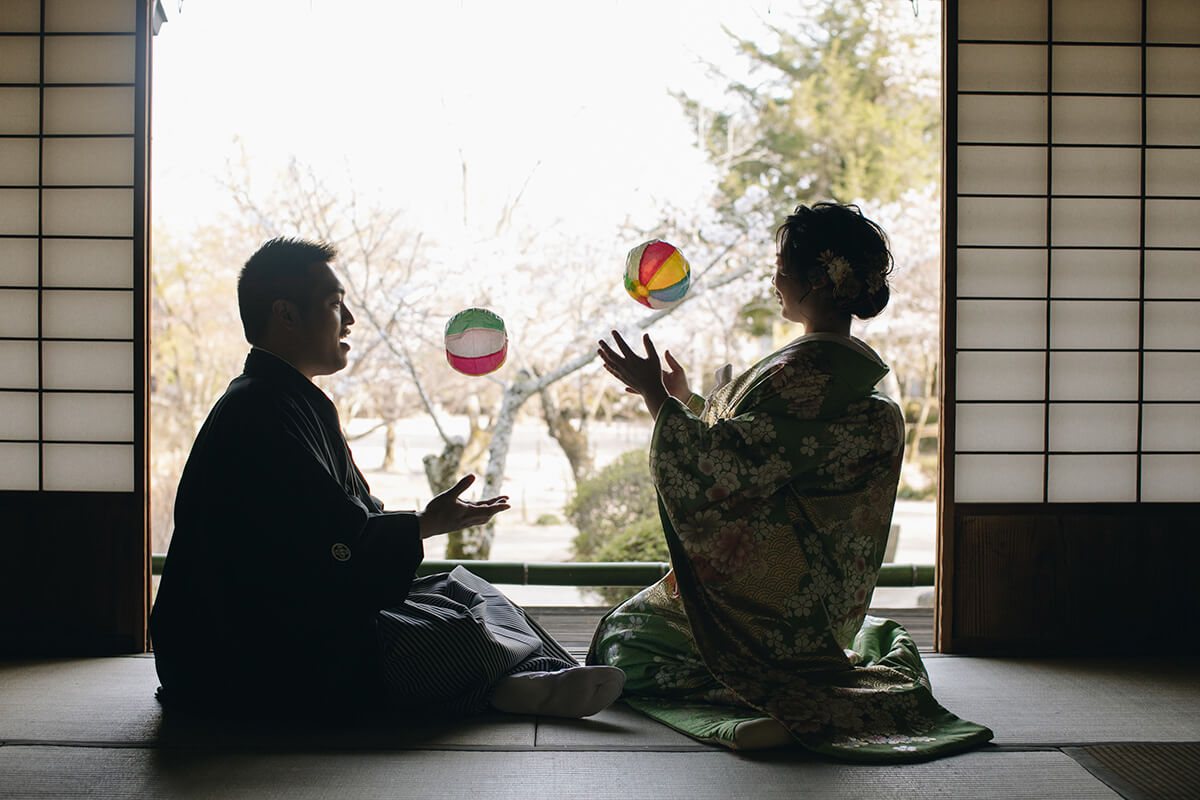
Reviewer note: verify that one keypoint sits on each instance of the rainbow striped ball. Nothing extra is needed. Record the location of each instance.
(476, 342)
(656, 274)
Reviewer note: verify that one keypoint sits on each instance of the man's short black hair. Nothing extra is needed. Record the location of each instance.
(278, 270)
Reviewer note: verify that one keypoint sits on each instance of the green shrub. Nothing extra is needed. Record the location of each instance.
(547, 519)
(609, 503)
(641, 541)
(616, 513)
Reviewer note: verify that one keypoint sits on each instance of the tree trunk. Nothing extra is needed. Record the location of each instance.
(476, 543)
(389, 447)
(441, 471)
(572, 440)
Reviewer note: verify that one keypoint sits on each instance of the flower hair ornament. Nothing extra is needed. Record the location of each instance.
(845, 283)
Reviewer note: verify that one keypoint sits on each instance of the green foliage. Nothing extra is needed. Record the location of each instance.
(906, 492)
(641, 541)
(615, 511)
(841, 111)
(547, 519)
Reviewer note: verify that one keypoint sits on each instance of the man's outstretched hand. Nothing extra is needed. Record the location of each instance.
(447, 512)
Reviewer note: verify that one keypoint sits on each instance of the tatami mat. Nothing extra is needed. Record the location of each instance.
(101, 773)
(1072, 701)
(92, 728)
(1025, 701)
(1145, 771)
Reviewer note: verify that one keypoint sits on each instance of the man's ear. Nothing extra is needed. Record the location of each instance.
(284, 312)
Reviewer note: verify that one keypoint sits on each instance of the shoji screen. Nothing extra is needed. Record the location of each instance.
(73, 145)
(1072, 313)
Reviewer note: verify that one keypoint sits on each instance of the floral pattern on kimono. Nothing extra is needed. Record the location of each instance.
(776, 503)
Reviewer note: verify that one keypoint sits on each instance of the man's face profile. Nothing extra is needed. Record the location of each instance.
(321, 324)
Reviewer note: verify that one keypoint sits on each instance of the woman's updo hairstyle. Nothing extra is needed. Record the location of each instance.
(836, 243)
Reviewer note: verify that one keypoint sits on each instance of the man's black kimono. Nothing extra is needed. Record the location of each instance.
(280, 559)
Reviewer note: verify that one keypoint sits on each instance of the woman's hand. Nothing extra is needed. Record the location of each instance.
(675, 380)
(641, 375)
(446, 512)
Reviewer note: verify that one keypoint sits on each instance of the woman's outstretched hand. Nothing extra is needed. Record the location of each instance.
(446, 512)
(675, 379)
(641, 375)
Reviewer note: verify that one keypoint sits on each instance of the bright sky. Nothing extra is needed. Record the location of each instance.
(571, 96)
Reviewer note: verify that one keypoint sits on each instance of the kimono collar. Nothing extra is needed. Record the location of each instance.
(265, 365)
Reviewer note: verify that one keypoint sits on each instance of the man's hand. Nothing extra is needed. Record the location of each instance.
(447, 512)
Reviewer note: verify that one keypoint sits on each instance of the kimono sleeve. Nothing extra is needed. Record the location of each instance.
(312, 541)
(786, 431)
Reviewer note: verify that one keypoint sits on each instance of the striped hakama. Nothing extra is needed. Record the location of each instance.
(454, 637)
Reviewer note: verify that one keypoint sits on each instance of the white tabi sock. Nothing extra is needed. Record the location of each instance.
(571, 692)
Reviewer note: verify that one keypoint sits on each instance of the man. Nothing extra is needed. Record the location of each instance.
(288, 587)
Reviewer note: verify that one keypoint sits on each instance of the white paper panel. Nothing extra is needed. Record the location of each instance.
(1096, 170)
(18, 466)
(18, 262)
(18, 365)
(1094, 273)
(1002, 170)
(20, 59)
(87, 467)
(1172, 172)
(18, 110)
(1172, 376)
(87, 315)
(20, 16)
(1002, 67)
(18, 312)
(1014, 19)
(1001, 323)
(89, 110)
(1173, 21)
(1102, 70)
(19, 162)
(1089, 222)
(1173, 70)
(18, 415)
(87, 212)
(88, 417)
(71, 16)
(999, 426)
(1173, 325)
(1173, 223)
(18, 211)
(93, 162)
(1097, 120)
(996, 118)
(1172, 274)
(1093, 426)
(1098, 324)
(90, 59)
(1097, 20)
(1001, 220)
(88, 365)
(1171, 427)
(998, 479)
(1001, 273)
(1093, 376)
(1172, 120)
(1001, 376)
(1092, 479)
(1170, 479)
(77, 262)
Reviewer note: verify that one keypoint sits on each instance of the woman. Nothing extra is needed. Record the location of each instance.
(776, 497)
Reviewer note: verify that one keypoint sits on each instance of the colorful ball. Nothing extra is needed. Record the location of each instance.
(476, 342)
(656, 274)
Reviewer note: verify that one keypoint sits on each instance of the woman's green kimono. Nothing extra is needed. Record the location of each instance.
(776, 502)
